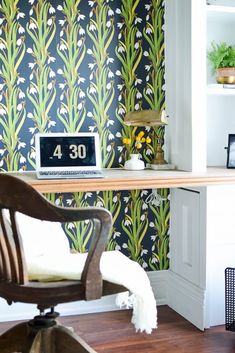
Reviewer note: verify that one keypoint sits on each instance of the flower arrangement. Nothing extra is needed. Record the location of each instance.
(135, 145)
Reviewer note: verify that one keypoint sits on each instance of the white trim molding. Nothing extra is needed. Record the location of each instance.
(187, 299)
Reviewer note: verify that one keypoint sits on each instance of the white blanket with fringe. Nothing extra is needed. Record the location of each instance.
(115, 267)
(48, 257)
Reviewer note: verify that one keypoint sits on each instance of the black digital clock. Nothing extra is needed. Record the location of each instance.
(67, 151)
(64, 150)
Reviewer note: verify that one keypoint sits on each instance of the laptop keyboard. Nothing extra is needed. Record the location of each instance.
(72, 174)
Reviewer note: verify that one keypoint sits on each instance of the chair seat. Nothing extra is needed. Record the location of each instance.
(48, 294)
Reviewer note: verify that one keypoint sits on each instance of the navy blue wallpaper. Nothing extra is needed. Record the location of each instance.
(79, 65)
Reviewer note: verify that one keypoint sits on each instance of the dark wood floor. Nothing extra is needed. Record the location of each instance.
(113, 333)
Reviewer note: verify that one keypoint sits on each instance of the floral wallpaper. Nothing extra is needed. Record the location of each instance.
(78, 65)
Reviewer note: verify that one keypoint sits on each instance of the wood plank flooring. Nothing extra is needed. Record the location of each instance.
(112, 332)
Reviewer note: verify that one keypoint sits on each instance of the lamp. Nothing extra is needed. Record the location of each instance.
(151, 118)
(146, 118)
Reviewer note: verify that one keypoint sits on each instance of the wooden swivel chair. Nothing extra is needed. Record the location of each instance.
(43, 334)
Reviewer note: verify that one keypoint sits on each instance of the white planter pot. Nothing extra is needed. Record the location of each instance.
(134, 163)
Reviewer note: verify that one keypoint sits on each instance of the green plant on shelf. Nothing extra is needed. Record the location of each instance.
(222, 55)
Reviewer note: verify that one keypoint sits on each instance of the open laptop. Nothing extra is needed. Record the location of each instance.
(68, 155)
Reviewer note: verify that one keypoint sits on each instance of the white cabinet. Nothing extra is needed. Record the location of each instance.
(201, 113)
(220, 247)
(186, 244)
(202, 246)
(187, 275)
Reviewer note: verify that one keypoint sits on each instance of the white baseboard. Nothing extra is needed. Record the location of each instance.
(169, 288)
(159, 283)
(20, 311)
(187, 299)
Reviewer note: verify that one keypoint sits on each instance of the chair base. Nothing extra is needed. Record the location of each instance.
(27, 338)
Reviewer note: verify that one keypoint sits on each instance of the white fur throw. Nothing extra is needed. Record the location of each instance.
(48, 258)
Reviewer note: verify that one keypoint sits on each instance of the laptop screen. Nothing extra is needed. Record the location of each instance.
(65, 151)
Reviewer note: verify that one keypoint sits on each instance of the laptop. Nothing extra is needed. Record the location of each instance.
(68, 155)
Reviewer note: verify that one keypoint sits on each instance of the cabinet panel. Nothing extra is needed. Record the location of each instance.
(220, 246)
(187, 275)
(185, 43)
(185, 234)
(220, 123)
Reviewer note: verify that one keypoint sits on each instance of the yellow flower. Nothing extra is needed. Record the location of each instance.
(133, 145)
(126, 141)
(141, 134)
(138, 145)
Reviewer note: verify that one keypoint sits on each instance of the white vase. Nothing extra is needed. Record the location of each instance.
(134, 163)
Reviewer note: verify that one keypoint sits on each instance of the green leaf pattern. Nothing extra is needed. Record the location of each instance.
(12, 103)
(42, 88)
(88, 64)
(71, 49)
(101, 89)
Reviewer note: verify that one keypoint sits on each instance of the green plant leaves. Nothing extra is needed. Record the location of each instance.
(221, 55)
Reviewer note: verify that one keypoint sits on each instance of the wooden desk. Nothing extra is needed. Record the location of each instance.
(120, 179)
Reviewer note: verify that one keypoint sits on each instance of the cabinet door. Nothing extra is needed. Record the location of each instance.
(185, 234)
(220, 247)
(187, 275)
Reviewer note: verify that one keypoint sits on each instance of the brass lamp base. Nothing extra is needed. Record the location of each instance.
(159, 159)
(159, 163)
(160, 166)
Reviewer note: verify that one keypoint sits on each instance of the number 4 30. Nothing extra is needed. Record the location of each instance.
(77, 151)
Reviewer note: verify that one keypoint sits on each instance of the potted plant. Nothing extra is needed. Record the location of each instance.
(133, 148)
(222, 60)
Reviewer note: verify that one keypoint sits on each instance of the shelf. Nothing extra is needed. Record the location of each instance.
(220, 9)
(217, 89)
(221, 13)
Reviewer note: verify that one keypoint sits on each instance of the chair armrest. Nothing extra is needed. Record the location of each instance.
(102, 218)
(91, 276)
(17, 196)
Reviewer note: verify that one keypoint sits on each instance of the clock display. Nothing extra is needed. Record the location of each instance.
(67, 151)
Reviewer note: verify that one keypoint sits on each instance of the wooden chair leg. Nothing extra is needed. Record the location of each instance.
(66, 341)
(43, 342)
(56, 339)
(15, 339)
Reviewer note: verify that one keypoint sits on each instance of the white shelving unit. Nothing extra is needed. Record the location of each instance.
(220, 101)
(202, 114)
(222, 12)
(218, 89)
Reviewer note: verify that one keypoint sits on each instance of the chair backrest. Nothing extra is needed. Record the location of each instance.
(16, 195)
(12, 261)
